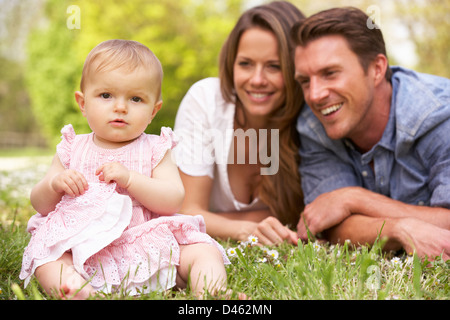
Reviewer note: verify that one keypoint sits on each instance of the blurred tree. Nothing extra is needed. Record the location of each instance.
(186, 35)
(16, 18)
(429, 23)
(52, 71)
(426, 23)
(14, 102)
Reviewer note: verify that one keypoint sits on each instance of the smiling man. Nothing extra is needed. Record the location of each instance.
(375, 143)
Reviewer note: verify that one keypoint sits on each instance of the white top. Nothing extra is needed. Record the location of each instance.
(204, 127)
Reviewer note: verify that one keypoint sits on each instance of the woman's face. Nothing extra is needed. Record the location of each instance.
(258, 79)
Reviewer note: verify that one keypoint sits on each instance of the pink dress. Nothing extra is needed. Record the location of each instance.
(115, 242)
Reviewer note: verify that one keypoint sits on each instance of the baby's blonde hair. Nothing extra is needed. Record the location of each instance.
(115, 54)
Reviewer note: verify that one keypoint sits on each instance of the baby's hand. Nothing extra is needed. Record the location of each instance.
(70, 182)
(114, 172)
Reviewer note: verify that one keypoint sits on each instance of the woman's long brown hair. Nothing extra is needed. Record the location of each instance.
(282, 191)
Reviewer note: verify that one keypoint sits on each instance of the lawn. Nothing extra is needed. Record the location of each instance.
(311, 271)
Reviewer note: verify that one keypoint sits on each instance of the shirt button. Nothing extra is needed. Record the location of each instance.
(364, 173)
(421, 203)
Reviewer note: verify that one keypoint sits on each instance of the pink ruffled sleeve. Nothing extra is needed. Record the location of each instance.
(63, 149)
(166, 141)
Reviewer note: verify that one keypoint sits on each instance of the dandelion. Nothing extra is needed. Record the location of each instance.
(396, 261)
(273, 254)
(409, 260)
(316, 246)
(242, 246)
(232, 252)
(252, 240)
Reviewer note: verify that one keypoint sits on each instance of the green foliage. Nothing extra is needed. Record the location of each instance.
(14, 104)
(51, 72)
(12, 240)
(186, 36)
(428, 23)
(342, 272)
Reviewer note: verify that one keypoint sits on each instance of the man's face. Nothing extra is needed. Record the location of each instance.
(336, 88)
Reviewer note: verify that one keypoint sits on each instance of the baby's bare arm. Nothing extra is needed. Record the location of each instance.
(58, 181)
(163, 193)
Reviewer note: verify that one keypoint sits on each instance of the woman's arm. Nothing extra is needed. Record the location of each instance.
(198, 191)
(234, 225)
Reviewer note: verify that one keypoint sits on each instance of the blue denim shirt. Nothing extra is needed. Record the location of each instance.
(411, 162)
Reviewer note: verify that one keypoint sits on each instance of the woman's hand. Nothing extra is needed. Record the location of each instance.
(270, 231)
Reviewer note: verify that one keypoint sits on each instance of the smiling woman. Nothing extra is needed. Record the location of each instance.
(258, 79)
(255, 93)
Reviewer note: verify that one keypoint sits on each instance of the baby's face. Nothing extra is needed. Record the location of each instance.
(119, 105)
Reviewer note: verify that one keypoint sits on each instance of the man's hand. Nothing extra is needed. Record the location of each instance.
(423, 238)
(326, 211)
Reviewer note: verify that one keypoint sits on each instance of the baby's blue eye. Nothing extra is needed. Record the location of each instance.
(136, 99)
(105, 95)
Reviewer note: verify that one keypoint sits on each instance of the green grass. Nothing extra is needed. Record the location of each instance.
(304, 272)
(309, 271)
